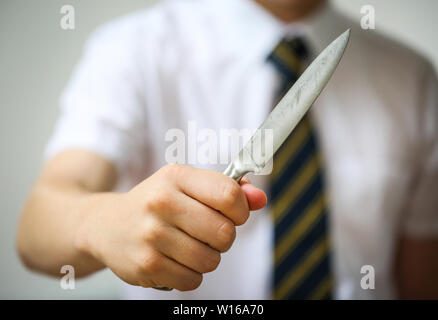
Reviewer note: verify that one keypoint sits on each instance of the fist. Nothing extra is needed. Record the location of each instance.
(171, 228)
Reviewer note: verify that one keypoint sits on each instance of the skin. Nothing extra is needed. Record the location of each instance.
(416, 268)
(167, 231)
(172, 227)
(290, 10)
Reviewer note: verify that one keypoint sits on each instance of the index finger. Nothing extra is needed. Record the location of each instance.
(213, 189)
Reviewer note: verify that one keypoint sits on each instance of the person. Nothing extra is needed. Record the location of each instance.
(106, 197)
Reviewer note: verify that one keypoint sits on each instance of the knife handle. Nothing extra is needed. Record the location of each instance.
(236, 172)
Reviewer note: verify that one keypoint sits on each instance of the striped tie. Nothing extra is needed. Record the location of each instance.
(301, 258)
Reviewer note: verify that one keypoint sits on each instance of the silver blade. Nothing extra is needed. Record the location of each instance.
(289, 111)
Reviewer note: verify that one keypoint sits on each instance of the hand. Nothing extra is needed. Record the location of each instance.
(169, 229)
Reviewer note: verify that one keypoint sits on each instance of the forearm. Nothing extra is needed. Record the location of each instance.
(47, 233)
(166, 231)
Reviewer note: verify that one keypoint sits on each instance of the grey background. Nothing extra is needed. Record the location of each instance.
(36, 60)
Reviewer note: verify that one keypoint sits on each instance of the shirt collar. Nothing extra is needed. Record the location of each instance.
(252, 31)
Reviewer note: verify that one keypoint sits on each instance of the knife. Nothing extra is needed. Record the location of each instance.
(287, 113)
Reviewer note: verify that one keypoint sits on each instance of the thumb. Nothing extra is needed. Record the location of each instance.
(256, 198)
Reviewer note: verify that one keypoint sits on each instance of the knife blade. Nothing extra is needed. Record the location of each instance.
(289, 111)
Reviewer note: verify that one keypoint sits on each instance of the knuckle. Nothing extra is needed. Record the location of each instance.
(172, 170)
(243, 217)
(230, 193)
(207, 260)
(151, 263)
(139, 267)
(191, 283)
(154, 233)
(212, 262)
(226, 234)
(159, 201)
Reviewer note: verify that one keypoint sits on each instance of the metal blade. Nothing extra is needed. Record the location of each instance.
(289, 111)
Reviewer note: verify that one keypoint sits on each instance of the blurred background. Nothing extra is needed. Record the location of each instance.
(36, 60)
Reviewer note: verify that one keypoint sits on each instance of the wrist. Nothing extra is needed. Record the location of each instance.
(94, 211)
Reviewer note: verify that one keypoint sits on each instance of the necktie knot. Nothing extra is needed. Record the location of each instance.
(298, 46)
(289, 57)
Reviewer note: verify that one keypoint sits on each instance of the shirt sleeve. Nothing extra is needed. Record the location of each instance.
(101, 108)
(422, 213)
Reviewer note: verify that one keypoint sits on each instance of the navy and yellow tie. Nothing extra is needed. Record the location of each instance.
(301, 255)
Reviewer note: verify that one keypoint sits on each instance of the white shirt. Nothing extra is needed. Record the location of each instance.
(205, 61)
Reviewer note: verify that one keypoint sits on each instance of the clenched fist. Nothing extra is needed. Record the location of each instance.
(169, 229)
